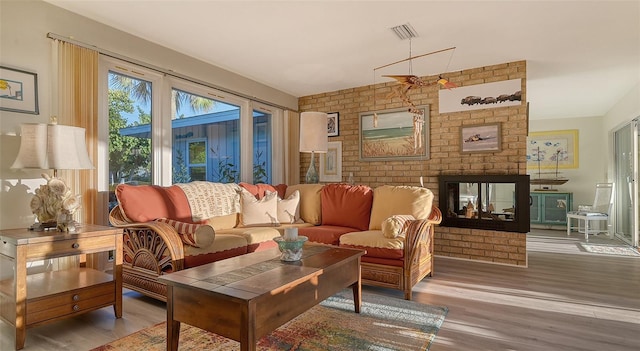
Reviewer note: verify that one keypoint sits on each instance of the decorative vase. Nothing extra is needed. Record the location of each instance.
(290, 251)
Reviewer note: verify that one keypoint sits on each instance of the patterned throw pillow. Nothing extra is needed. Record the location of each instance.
(395, 226)
(263, 212)
(289, 209)
(196, 235)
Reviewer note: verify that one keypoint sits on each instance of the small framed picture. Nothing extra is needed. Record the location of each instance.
(331, 163)
(332, 124)
(480, 138)
(18, 91)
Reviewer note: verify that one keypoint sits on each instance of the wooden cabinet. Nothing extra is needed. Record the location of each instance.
(27, 300)
(550, 207)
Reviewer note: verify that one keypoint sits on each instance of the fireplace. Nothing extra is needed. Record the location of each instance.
(493, 202)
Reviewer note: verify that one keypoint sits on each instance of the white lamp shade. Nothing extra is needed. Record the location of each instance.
(313, 132)
(52, 146)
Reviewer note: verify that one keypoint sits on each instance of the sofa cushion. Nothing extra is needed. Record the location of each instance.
(224, 246)
(258, 190)
(259, 212)
(289, 209)
(325, 234)
(399, 200)
(282, 227)
(395, 225)
(143, 203)
(374, 243)
(223, 222)
(254, 235)
(310, 201)
(345, 205)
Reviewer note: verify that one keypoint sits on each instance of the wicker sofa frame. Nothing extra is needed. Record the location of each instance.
(152, 249)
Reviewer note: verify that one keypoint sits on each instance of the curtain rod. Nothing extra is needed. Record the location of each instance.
(101, 51)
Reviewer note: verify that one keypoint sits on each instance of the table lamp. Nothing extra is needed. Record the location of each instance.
(53, 146)
(313, 139)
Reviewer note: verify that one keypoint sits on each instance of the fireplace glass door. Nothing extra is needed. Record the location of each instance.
(486, 202)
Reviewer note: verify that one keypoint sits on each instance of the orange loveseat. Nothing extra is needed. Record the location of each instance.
(186, 225)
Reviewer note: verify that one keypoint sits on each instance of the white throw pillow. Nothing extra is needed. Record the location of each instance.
(289, 209)
(259, 212)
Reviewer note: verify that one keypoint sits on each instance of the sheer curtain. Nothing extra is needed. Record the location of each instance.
(292, 165)
(74, 102)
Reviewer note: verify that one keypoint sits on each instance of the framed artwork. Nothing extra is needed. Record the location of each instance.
(394, 134)
(331, 163)
(18, 91)
(553, 149)
(481, 96)
(481, 138)
(332, 124)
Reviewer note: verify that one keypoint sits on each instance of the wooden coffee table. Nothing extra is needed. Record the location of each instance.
(245, 298)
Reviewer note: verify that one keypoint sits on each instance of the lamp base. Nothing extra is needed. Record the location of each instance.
(312, 175)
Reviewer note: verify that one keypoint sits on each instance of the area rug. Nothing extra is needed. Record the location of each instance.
(384, 324)
(610, 249)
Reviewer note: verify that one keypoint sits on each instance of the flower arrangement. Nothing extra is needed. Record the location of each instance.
(54, 203)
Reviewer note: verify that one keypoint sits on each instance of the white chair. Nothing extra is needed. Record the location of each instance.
(598, 212)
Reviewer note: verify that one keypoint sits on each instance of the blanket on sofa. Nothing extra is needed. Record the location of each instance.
(204, 206)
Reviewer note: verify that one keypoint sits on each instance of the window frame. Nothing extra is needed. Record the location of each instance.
(161, 143)
(108, 64)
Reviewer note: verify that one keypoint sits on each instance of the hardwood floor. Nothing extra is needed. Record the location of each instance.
(567, 299)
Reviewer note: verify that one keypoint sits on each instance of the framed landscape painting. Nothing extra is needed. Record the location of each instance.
(394, 134)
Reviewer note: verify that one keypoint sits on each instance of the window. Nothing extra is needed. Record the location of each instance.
(210, 124)
(164, 130)
(197, 166)
(130, 109)
(261, 147)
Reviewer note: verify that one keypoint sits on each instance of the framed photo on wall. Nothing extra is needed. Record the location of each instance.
(394, 134)
(481, 138)
(18, 91)
(333, 119)
(331, 163)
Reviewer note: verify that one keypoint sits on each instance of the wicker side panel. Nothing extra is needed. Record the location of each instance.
(145, 258)
(144, 283)
(382, 275)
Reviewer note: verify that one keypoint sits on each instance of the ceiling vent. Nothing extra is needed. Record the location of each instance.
(405, 31)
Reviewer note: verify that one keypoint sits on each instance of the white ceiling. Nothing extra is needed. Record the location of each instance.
(582, 57)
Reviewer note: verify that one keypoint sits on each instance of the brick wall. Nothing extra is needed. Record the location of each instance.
(445, 156)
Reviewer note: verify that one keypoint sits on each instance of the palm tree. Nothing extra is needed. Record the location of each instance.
(140, 90)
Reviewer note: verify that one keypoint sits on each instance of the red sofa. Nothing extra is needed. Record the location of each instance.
(186, 225)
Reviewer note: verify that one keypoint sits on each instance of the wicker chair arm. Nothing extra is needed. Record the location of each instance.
(419, 232)
(168, 233)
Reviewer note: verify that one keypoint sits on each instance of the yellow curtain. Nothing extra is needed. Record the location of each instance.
(75, 102)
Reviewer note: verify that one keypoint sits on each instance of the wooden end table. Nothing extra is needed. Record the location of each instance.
(28, 300)
(246, 297)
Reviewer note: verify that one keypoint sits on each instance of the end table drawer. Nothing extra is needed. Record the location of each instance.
(71, 247)
(71, 302)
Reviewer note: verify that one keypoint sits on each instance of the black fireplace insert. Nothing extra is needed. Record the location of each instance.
(493, 202)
